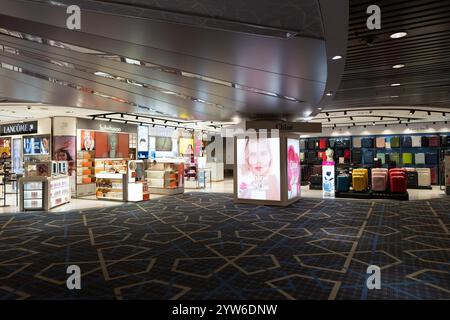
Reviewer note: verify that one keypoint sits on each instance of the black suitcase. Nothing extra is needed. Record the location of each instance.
(413, 179)
(312, 144)
(356, 156)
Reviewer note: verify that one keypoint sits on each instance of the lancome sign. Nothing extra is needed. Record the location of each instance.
(19, 128)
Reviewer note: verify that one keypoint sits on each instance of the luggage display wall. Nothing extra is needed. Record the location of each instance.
(411, 151)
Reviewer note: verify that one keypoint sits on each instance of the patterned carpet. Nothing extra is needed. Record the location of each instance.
(203, 246)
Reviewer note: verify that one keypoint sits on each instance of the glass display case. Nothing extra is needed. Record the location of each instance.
(111, 179)
(33, 195)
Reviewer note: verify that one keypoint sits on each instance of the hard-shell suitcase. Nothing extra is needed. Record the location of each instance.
(380, 142)
(302, 144)
(395, 142)
(359, 182)
(434, 142)
(360, 179)
(398, 183)
(368, 157)
(367, 143)
(445, 141)
(431, 158)
(413, 179)
(423, 177)
(347, 154)
(356, 156)
(379, 181)
(407, 158)
(407, 142)
(323, 143)
(416, 141)
(343, 183)
(395, 157)
(434, 176)
(312, 144)
(382, 157)
(420, 158)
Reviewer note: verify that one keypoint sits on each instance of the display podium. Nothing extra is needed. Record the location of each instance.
(267, 169)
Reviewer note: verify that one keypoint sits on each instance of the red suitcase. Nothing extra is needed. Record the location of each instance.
(398, 180)
(323, 143)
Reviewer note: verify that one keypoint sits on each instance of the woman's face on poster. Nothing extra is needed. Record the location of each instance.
(259, 157)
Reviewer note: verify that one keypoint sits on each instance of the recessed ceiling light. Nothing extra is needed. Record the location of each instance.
(398, 35)
(329, 94)
(394, 96)
(395, 84)
(337, 57)
(398, 66)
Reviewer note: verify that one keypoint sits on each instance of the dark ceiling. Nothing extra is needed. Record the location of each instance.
(207, 60)
(425, 52)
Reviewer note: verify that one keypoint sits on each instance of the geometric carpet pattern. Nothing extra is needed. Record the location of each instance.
(204, 246)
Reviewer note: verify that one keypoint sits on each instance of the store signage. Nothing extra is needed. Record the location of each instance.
(106, 127)
(19, 128)
(283, 126)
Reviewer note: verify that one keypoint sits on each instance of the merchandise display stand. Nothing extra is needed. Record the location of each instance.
(44, 187)
(165, 176)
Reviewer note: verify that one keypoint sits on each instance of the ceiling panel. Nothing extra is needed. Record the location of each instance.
(368, 75)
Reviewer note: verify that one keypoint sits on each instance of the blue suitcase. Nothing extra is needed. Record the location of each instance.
(343, 183)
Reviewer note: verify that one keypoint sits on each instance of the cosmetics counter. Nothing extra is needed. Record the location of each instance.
(45, 186)
(120, 180)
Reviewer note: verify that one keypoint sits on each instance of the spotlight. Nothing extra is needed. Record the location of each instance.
(153, 125)
(373, 123)
(412, 112)
(354, 124)
(429, 113)
(365, 126)
(444, 114)
(165, 121)
(445, 122)
(385, 125)
(329, 120)
(345, 113)
(137, 117)
(141, 124)
(93, 117)
(398, 35)
(348, 127)
(327, 114)
(126, 121)
(406, 124)
(351, 118)
(153, 120)
(338, 57)
(110, 120)
(434, 122)
(121, 115)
